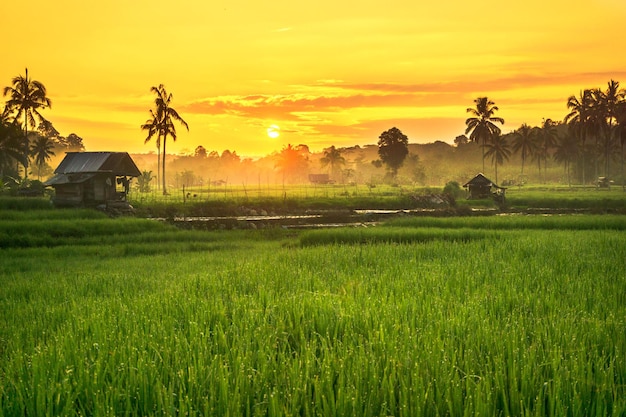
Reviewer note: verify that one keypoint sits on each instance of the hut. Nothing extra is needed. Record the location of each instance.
(320, 179)
(91, 179)
(481, 187)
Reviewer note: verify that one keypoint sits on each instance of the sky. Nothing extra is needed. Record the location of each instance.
(319, 73)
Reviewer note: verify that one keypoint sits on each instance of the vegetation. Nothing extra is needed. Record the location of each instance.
(459, 316)
(162, 123)
(26, 98)
(333, 159)
(393, 147)
(482, 125)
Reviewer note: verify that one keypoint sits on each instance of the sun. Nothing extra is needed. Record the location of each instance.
(273, 131)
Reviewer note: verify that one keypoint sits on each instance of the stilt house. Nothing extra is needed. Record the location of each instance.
(92, 178)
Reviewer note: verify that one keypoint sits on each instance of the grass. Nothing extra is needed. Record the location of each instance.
(489, 316)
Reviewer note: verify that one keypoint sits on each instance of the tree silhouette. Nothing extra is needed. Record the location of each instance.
(290, 162)
(524, 142)
(26, 98)
(333, 158)
(10, 147)
(482, 125)
(547, 137)
(566, 152)
(42, 151)
(578, 121)
(498, 149)
(606, 103)
(620, 118)
(152, 126)
(393, 147)
(164, 117)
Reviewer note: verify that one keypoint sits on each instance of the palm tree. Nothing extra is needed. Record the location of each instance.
(291, 162)
(42, 150)
(547, 140)
(482, 124)
(27, 97)
(578, 120)
(332, 156)
(152, 126)
(620, 118)
(499, 150)
(566, 152)
(524, 142)
(166, 115)
(10, 147)
(607, 102)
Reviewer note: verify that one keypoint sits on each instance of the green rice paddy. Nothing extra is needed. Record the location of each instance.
(488, 316)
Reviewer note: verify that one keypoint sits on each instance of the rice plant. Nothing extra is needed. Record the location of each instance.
(404, 321)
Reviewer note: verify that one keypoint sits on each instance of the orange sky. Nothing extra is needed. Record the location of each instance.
(328, 73)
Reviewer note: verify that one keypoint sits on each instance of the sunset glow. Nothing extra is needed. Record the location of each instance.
(328, 74)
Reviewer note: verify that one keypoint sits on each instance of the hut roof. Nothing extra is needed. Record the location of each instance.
(78, 167)
(116, 163)
(480, 179)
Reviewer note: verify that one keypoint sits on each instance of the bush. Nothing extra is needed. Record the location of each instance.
(453, 189)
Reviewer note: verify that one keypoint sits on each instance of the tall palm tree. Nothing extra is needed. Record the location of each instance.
(152, 126)
(290, 162)
(547, 140)
(166, 115)
(566, 151)
(42, 150)
(499, 150)
(578, 120)
(333, 158)
(26, 98)
(620, 118)
(524, 142)
(482, 124)
(606, 103)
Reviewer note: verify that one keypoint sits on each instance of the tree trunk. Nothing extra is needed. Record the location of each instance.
(163, 164)
(25, 145)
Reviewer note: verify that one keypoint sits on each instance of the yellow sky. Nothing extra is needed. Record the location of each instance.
(327, 72)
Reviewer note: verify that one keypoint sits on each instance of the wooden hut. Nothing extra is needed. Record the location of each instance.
(481, 187)
(92, 178)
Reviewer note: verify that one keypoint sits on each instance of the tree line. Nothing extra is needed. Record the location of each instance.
(592, 135)
(590, 138)
(26, 98)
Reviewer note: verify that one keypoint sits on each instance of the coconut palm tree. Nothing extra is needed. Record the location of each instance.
(566, 152)
(499, 150)
(333, 158)
(10, 147)
(579, 120)
(166, 115)
(482, 125)
(291, 162)
(606, 103)
(525, 142)
(547, 137)
(152, 126)
(26, 98)
(620, 128)
(42, 150)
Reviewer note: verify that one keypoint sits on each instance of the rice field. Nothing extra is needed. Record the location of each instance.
(520, 315)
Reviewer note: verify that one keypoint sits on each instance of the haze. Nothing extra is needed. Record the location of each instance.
(329, 73)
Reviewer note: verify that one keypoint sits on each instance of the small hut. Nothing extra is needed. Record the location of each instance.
(320, 179)
(481, 187)
(91, 178)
